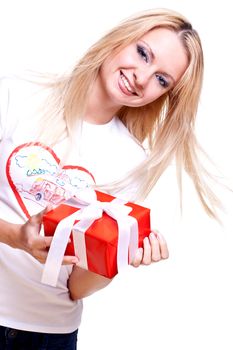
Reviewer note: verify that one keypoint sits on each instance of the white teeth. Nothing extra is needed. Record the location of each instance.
(126, 83)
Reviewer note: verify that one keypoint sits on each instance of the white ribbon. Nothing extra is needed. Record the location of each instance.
(90, 210)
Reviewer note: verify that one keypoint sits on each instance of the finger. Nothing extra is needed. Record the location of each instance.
(48, 241)
(155, 247)
(39, 255)
(70, 260)
(39, 242)
(146, 260)
(138, 257)
(163, 245)
(37, 218)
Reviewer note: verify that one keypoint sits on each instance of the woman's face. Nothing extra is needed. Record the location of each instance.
(143, 71)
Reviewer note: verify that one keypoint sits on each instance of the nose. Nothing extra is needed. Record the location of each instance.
(143, 76)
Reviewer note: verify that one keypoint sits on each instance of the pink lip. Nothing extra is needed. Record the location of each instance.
(123, 88)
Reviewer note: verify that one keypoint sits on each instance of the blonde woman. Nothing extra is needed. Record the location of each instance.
(140, 82)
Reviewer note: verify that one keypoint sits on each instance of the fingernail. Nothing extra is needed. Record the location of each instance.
(75, 260)
(49, 207)
(156, 231)
(139, 252)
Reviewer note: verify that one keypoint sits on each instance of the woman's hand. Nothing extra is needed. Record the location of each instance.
(30, 240)
(154, 249)
(27, 237)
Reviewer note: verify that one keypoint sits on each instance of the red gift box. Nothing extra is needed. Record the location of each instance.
(101, 238)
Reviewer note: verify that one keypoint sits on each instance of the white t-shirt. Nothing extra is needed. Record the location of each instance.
(105, 153)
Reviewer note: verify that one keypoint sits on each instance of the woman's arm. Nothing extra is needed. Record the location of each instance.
(83, 283)
(8, 233)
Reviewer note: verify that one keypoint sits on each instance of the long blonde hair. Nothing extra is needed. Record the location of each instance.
(167, 123)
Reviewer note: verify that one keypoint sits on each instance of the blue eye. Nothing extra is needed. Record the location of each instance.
(163, 82)
(143, 53)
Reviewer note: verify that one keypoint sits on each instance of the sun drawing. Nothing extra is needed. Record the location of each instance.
(33, 161)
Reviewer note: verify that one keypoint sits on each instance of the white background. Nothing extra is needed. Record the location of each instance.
(184, 302)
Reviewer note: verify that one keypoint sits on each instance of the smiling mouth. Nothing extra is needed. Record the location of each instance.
(127, 84)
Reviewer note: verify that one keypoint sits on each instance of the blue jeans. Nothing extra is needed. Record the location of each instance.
(13, 339)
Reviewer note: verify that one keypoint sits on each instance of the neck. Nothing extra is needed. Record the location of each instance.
(100, 109)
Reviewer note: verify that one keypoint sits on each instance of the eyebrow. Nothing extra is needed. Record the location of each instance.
(153, 56)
